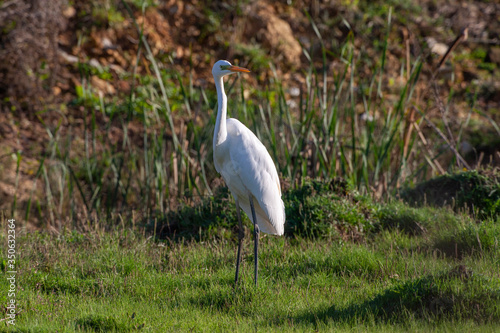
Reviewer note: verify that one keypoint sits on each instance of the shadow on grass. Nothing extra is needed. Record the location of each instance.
(456, 295)
(62, 285)
(470, 240)
(212, 217)
(409, 220)
(99, 323)
(477, 192)
(345, 261)
(226, 298)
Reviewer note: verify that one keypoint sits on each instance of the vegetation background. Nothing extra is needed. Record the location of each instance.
(382, 118)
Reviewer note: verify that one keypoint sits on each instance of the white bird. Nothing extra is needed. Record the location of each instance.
(247, 168)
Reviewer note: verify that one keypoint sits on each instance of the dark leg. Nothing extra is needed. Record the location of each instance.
(241, 234)
(256, 238)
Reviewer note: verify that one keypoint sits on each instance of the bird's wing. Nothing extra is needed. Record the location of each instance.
(256, 170)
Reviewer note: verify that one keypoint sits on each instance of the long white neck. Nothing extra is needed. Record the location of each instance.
(220, 131)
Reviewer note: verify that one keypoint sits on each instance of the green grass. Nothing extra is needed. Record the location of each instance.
(392, 276)
(121, 281)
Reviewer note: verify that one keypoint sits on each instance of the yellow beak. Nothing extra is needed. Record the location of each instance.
(238, 69)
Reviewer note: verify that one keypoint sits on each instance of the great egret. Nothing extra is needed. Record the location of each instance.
(247, 169)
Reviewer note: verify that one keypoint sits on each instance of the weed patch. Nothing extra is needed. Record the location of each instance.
(212, 217)
(455, 294)
(469, 239)
(100, 323)
(327, 209)
(409, 220)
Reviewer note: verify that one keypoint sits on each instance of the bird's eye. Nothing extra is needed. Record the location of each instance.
(221, 67)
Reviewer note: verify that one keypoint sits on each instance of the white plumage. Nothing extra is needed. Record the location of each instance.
(247, 168)
(245, 164)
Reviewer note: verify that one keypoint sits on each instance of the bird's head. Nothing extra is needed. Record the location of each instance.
(223, 67)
